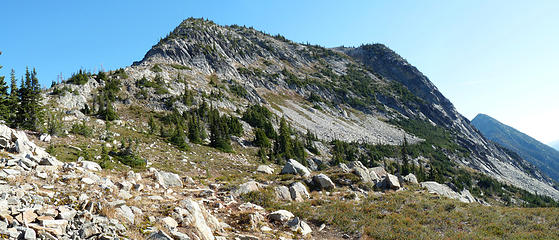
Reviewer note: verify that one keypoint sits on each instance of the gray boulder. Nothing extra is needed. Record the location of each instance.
(280, 216)
(392, 182)
(297, 225)
(410, 178)
(294, 167)
(282, 193)
(247, 187)
(323, 182)
(298, 192)
(265, 169)
(167, 179)
(444, 190)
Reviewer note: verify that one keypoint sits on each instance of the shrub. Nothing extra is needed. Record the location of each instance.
(81, 129)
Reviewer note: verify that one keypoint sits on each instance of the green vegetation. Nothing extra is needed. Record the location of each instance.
(156, 68)
(79, 78)
(81, 129)
(416, 215)
(127, 156)
(178, 67)
(105, 98)
(158, 84)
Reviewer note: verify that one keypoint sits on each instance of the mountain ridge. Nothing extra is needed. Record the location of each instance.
(314, 87)
(539, 154)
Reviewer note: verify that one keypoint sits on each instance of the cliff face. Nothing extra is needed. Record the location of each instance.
(352, 94)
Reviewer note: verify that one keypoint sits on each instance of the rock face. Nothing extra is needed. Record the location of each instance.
(294, 167)
(360, 170)
(323, 182)
(444, 190)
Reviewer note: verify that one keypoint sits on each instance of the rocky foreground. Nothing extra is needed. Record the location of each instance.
(43, 198)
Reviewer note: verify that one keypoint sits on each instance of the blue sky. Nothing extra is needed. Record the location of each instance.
(493, 57)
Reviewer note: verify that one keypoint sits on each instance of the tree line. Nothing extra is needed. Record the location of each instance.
(20, 107)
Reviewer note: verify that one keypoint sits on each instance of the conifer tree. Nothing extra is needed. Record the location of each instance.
(13, 100)
(4, 100)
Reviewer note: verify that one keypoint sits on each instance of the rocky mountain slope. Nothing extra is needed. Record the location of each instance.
(530, 149)
(362, 85)
(370, 139)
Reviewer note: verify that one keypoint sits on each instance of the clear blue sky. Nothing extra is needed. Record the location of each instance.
(493, 57)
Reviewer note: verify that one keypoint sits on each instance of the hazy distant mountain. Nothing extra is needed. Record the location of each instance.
(537, 153)
(554, 144)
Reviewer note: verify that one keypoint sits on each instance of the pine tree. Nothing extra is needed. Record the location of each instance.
(219, 134)
(194, 130)
(283, 147)
(260, 139)
(405, 170)
(14, 100)
(36, 109)
(5, 109)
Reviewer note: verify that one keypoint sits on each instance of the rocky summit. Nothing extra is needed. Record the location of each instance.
(226, 132)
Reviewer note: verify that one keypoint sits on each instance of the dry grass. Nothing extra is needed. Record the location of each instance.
(418, 215)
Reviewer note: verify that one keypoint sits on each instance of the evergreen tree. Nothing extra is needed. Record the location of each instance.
(194, 130)
(14, 100)
(5, 109)
(30, 112)
(219, 134)
(260, 139)
(152, 125)
(178, 138)
(405, 161)
(283, 147)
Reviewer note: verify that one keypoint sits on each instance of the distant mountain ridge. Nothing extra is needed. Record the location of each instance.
(541, 155)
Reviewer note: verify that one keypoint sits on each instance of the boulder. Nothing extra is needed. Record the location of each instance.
(91, 166)
(282, 193)
(379, 171)
(159, 235)
(265, 169)
(297, 225)
(392, 182)
(298, 192)
(198, 218)
(169, 223)
(246, 188)
(280, 216)
(410, 178)
(323, 182)
(362, 172)
(444, 190)
(296, 168)
(167, 179)
(125, 213)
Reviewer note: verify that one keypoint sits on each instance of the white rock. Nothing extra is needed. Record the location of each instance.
(323, 182)
(91, 166)
(246, 188)
(294, 167)
(299, 226)
(167, 179)
(298, 192)
(281, 216)
(265, 169)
